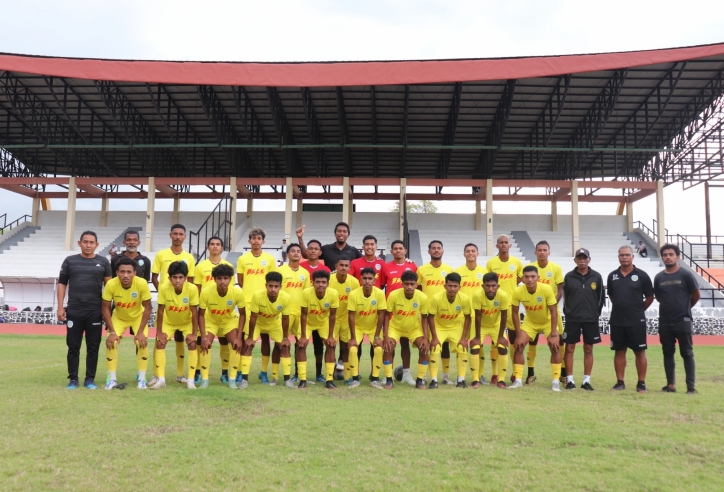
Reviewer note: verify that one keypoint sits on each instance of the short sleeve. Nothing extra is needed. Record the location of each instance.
(305, 299)
(504, 302)
(107, 293)
(192, 267)
(240, 298)
(203, 299)
(161, 296)
(424, 305)
(551, 298)
(391, 303)
(287, 309)
(515, 299)
(648, 286)
(466, 305)
(432, 306)
(334, 301)
(254, 303)
(519, 273)
(145, 292)
(352, 303)
(381, 301)
(558, 275)
(691, 283)
(108, 269)
(239, 270)
(194, 297)
(157, 263)
(476, 302)
(64, 272)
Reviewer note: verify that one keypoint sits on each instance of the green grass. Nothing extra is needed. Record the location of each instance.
(271, 438)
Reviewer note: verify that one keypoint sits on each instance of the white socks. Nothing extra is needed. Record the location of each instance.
(112, 375)
(586, 379)
(569, 379)
(141, 375)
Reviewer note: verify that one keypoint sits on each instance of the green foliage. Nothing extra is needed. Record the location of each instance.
(421, 207)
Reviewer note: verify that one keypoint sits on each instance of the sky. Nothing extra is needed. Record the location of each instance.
(371, 30)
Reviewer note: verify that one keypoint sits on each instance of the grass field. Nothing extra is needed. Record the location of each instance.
(271, 438)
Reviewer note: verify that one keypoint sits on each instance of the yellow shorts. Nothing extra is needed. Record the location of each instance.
(359, 335)
(344, 332)
(121, 326)
(532, 332)
(323, 331)
(410, 335)
(275, 332)
(169, 330)
(295, 328)
(224, 329)
(453, 336)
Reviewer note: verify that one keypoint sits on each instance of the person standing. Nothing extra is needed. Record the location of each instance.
(677, 292)
(584, 297)
(330, 253)
(86, 274)
(131, 241)
(631, 293)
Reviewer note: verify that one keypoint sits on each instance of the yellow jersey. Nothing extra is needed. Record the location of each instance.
(432, 279)
(491, 308)
(177, 307)
(471, 281)
(343, 290)
(128, 302)
(269, 314)
(537, 314)
(406, 312)
(202, 272)
(318, 309)
(254, 270)
(218, 309)
(449, 315)
(365, 309)
(508, 272)
(293, 283)
(164, 258)
(551, 274)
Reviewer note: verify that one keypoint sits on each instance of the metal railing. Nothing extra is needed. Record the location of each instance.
(8, 226)
(218, 223)
(687, 255)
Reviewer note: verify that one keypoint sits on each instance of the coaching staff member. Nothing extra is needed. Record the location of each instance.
(677, 292)
(131, 241)
(631, 293)
(584, 297)
(333, 251)
(86, 274)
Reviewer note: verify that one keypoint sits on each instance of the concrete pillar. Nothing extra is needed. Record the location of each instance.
(176, 209)
(629, 217)
(249, 210)
(489, 218)
(288, 209)
(104, 210)
(36, 211)
(575, 233)
(478, 214)
(150, 212)
(232, 212)
(300, 213)
(660, 225)
(554, 216)
(346, 212)
(403, 192)
(70, 216)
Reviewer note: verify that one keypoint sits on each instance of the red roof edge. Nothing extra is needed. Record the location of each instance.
(320, 74)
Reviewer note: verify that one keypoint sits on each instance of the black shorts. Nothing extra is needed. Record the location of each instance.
(633, 337)
(574, 329)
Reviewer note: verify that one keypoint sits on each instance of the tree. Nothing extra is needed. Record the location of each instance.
(422, 207)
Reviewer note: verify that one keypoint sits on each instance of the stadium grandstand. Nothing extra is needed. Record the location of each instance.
(599, 128)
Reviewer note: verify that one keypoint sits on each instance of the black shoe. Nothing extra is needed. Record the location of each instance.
(587, 387)
(570, 385)
(388, 384)
(419, 384)
(619, 386)
(666, 389)
(302, 385)
(432, 385)
(461, 384)
(330, 385)
(692, 391)
(530, 379)
(641, 387)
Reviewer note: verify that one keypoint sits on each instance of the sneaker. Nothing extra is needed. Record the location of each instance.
(112, 383)
(641, 387)
(408, 379)
(321, 380)
(571, 386)
(90, 384)
(181, 379)
(264, 378)
(239, 378)
(493, 380)
(354, 384)
(153, 381)
(190, 384)
(388, 384)
(233, 385)
(432, 385)
(108, 377)
(461, 384)
(420, 384)
(446, 380)
(295, 379)
(619, 386)
(383, 380)
(501, 385)
(347, 382)
(530, 379)
(158, 384)
(377, 385)
(475, 385)
(204, 384)
(302, 385)
(197, 378)
(330, 385)
(667, 389)
(483, 380)
(516, 384)
(244, 384)
(273, 382)
(224, 379)
(290, 384)
(339, 366)
(692, 391)
(587, 387)
(142, 384)
(72, 385)
(556, 386)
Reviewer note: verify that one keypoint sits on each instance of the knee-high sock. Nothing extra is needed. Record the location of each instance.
(475, 366)
(421, 370)
(180, 347)
(234, 364)
(532, 353)
(112, 358)
(518, 371)
(204, 363)
(556, 370)
(347, 371)
(302, 370)
(377, 362)
(502, 367)
(434, 362)
(353, 362)
(275, 370)
(494, 359)
(245, 365)
(224, 353)
(462, 363)
(264, 363)
(446, 365)
(388, 369)
(329, 370)
(286, 366)
(562, 350)
(155, 372)
(193, 364)
(159, 362)
(142, 357)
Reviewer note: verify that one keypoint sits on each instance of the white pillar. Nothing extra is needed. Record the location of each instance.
(104, 210)
(288, 209)
(660, 225)
(489, 217)
(70, 216)
(403, 192)
(150, 211)
(478, 214)
(300, 212)
(232, 212)
(176, 209)
(554, 216)
(574, 216)
(249, 210)
(346, 213)
(629, 216)
(36, 211)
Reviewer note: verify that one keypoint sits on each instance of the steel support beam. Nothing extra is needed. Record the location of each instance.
(494, 137)
(343, 133)
(405, 118)
(443, 165)
(315, 134)
(294, 165)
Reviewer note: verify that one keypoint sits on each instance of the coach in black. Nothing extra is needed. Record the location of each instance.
(131, 241)
(677, 292)
(631, 293)
(584, 296)
(86, 274)
(333, 251)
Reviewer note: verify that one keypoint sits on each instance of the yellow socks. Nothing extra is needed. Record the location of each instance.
(388, 369)
(556, 370)
(329, 370)
(286, 366)
(446, 366)
(562, 350)
(155, 373)
(518, 371)
(264, 363)
(421, 370)
(193, 363)
(275, 370)
(234, 363)
(503, 367)
(353, 362)
(159, 361)
(475, 367)
(434, 362)
(142, 358)
(532, 353)
(462, 363)
(224, 353)
(204, 363)
(494, 359)
(302, 370)
(377, 362)
(180, 359)
(245, 365)
(347, 371)
(112, 358)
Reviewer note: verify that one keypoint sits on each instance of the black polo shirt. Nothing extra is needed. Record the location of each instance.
(331, 253)
(627, 293)
(143, 268)
(673, 291)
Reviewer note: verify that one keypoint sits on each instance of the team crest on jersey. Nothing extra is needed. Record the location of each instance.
(347, 290)
(301, 277)
(374, 302)
(263, 263)
(496, 304)
(480, 275)
(280, 307)
(229, 302)
(378, 266)
(634, 278)
(408, 268)
(140, 263)
(549, 274)
(458, 308)
(134, 294)
(593, 285)
(539, 299)
(415, 305)
(326, 305)
(444, 273)
(70, 324)
(512, 268)
(185, 300)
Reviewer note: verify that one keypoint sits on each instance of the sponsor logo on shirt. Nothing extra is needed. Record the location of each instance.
(220, 312)
(126, 305)
(434, 283)
(490, 312)
(294, 285)
(175, 309)
(255, 271)
(470, 284)
(318, 312)
(371, 312)
(447, 316)
(402, 312)
(534, 308)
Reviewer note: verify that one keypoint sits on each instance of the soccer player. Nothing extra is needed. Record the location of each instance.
(178, 302)
(343, 284)
(330, 253)
(319, 311)
(294, 280)
(369, 260)
(677, 292)
(510, 273)
(218, 305)
(159, 277)
(393, 272)
(585, 296)
(132, 299)
(367, 309)
(490, 307)
(131, 241)
(541, 316)
(449, 321)
(251, 270)
(270, 309)
(86, 273)
(314, 249)
(203, 278)
(551, 274)
(471, 275)
(406, 318)
(431, 280)
(631, 293)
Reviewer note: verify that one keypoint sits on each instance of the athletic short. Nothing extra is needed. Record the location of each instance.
(344, 332)
(492, 333)
(224, 329)
(323, 331)
(633, 337)
(359, 335)
(574, 330)
(295, 328)
(121, 326)
(276, 332)
(533, 332)
(453, 336)
(410, 335)
(185, 330)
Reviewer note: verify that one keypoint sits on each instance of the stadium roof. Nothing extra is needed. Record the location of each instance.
(601, 116)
